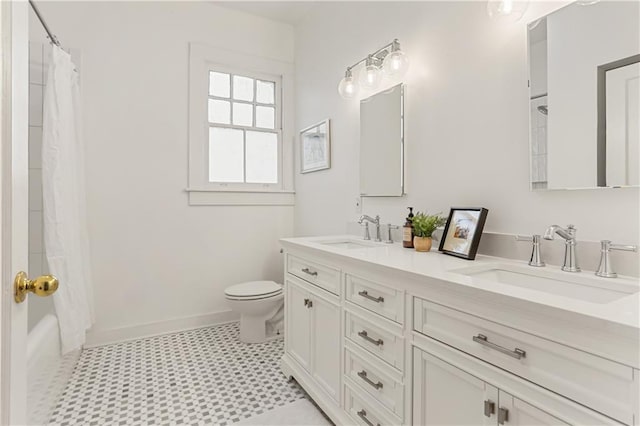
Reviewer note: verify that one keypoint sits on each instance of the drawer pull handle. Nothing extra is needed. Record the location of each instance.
(516, 353)
(366, 295)
(363, 415)
(310, 272)
(366, 337)
(503, 416)
(489, 408)
(363, 375)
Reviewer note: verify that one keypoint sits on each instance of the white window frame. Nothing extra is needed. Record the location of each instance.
(202, 60)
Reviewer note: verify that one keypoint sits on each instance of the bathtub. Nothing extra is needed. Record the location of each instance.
(47, 370)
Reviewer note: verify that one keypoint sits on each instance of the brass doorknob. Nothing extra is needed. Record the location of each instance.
(44, 285)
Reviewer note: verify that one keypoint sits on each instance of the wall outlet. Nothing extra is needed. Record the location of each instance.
(358, 205)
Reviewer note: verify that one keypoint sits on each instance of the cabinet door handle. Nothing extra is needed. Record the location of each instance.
(489, 407)
(365, 294)
(363, 375)
(363, 415)
(366, 337)
(503, 416)
(516, 353)
(308, 303)
(310, 272)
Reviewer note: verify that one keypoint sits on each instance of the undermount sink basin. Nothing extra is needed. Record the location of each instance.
(348, 243)
(582, 285)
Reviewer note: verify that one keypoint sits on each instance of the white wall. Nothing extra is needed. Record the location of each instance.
(612, 32)
(156, 259)
(466, 122)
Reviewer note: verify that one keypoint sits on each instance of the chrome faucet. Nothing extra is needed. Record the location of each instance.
(375, 221)
(604, 269)
(569, 235)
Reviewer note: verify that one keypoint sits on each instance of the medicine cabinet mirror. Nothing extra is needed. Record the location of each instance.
(584, 79)
(382, 144)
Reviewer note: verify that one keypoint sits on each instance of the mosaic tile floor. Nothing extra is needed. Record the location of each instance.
(197, 377)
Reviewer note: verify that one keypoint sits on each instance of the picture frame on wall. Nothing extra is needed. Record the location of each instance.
(315, 147)
(462, 232)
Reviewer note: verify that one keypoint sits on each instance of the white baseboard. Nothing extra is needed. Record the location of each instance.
(124, 334)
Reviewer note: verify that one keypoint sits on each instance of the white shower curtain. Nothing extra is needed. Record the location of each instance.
(65, 224)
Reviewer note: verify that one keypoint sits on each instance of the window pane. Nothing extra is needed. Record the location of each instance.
(242, 114)
(265, 92)
(242, 88)
(219, 84)
(219, 111)
(262, 157)
(226, 155)
(265, 117)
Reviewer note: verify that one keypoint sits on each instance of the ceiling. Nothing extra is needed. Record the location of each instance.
(289, 12)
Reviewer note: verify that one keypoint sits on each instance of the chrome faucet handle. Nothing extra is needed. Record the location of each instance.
(605, 269)
(367, 236)
(536, 254)
(389, 239)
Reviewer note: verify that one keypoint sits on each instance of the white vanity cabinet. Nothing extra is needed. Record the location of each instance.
(313, 331)
(377, 337)
(448, 393)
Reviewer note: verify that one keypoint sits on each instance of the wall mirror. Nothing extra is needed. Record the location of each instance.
(584, 75)
(382, 144)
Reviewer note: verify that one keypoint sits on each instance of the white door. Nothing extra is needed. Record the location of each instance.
(325, 349)
(514, 411)
(298, 323)
(14, 188)
(446, 395)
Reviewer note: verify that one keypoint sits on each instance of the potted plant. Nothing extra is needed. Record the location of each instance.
(423, 227)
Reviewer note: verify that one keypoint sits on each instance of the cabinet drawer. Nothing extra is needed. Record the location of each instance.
(365, 411)
(377, 379)
(375, 297)
(323, 276)
(598, 383)
(381, 342)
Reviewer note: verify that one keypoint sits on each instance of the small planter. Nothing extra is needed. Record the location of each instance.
(422, 243)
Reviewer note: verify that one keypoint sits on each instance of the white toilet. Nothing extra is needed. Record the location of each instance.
(258, 302)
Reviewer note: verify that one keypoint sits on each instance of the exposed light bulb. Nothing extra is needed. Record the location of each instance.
(396, 63)
(348, 87)
(507, 10)
(370, 75)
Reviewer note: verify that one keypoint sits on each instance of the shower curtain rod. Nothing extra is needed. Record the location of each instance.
(52, 37)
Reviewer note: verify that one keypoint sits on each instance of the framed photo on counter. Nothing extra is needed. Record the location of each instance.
(462, 232)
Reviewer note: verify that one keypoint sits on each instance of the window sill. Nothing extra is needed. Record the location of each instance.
(210, 197)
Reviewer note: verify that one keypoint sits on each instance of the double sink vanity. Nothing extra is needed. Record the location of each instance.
(378, 334)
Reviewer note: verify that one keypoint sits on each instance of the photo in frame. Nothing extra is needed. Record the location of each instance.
(315, 147)
(462, 232)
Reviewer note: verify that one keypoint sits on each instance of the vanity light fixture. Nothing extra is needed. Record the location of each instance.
(507, 10)
(388, 59)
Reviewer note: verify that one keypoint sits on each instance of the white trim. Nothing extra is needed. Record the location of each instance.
(201, 59)
(207, 197)
(125, 334)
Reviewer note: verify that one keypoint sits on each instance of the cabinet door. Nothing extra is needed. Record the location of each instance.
(325, 345)
(445, 395)
(298, 316)
(514, 411)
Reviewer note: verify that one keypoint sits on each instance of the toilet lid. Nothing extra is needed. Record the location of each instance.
(253, 289)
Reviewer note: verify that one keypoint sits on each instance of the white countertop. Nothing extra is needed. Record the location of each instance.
(623, 311)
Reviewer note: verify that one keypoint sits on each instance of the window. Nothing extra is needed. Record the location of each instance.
(240, 131)
(244, 128)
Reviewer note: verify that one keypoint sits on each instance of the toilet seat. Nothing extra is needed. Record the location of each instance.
(253, 290)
